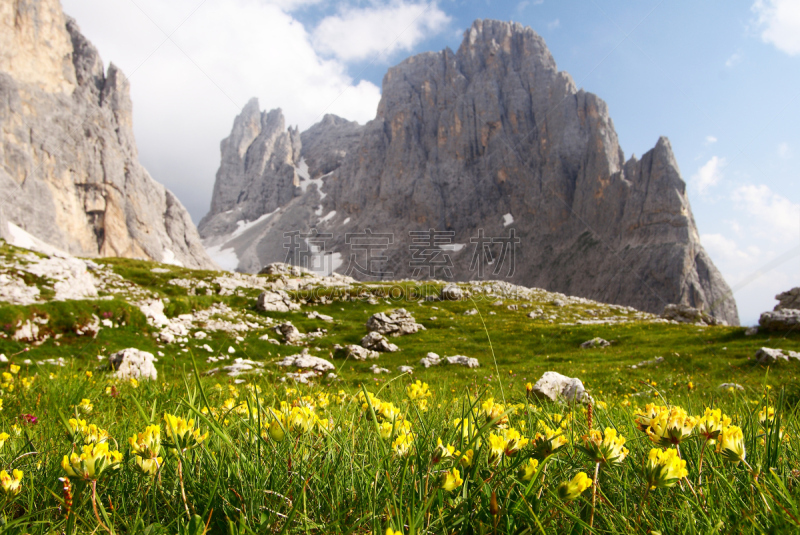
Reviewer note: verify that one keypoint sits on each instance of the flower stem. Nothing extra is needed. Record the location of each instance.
(594, 493)
(183, 491)
(94, 506)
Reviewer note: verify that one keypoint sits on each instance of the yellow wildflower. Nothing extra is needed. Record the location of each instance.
(528, 470)
(11, 483)
(731, 444)
(548, 442)
(14, 369)
(85, 406)
(608, 449)
(466, 460)
(766, 415)
(182, 434)
(148, 444)
(711, 423)
(452, 480)
(403, 444)
(418, 390)
(671, 427)
(93, 461)
(664, 468)
(441, 451)
(3, 438)
(88, 374)
(570, 490)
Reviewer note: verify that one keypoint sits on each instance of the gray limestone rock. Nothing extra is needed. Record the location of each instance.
(133, 363)
(765, 355)
(780, 320)
(493, 137)
(595, 342)
(396, 323)
(307, 362)
(276, 301)
(451, 292)
(71, 174)
(355, 352)
(687, 314)
(555, 387)
(789, 299)
(377, 342)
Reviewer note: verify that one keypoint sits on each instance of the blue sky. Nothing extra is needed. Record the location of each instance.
(721, 79)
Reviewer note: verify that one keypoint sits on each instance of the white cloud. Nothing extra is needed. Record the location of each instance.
(710, 140)
(772, 216)
(727, 250)
(708, 175)
(358, 34)
(554, 24)
(186, 95)
(779, 22)
(784, 151)
(733, 60)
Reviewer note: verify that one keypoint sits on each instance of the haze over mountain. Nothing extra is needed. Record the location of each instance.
(490, 137)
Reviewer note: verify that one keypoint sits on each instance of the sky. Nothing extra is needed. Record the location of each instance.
(719, 78)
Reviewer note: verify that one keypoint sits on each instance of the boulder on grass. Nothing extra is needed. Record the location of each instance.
(276, 301)
(377, 342)
(765, 355)
(555, 387)
(354, 352)
(133, 363)
(595, 342)
(451, 292)
(785, 319)
(396, 323)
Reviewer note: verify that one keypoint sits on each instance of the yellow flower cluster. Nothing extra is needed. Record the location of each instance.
(607, 449)
(93, 461)
(664, 468)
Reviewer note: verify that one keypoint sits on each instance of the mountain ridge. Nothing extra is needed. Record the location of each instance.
(71, 174)
(494, 137)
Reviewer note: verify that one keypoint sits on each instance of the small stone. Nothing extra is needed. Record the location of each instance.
(726, 386)
(377, 342)
(595, 342)
(405, 369)
(355, 352)
(377, 369)
(451, 292)
(461, 360)
(431, 359)
(398, 322)
(471, 312)
(751, 331)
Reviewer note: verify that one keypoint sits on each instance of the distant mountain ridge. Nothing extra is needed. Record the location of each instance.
(490, 138)
(70, 172)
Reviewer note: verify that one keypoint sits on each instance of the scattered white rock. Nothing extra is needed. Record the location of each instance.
(687, 314)
(595, 342)
(231, 350)
(132, 363)
(160, 270)
(3, 357)
(780, 320)
(290, 333)
(766, 355)
(276, 301)
(405, 369)
(396, 323)
(471, 312)
(377, 369)
(200, 335)
(554, 386)
(431, 359)
(497, 303)
(461, 360)
(451, 292)
(513, 307)
(242, 366)
(645, 363)
(316, 315)
(355, 352)
(726, 386)
(306, 361)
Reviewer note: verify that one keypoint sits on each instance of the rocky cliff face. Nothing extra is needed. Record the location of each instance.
(494, 137)
(70, 173)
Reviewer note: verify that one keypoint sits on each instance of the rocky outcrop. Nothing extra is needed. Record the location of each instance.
(787, 300)
(70, 173)
(492, 137)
